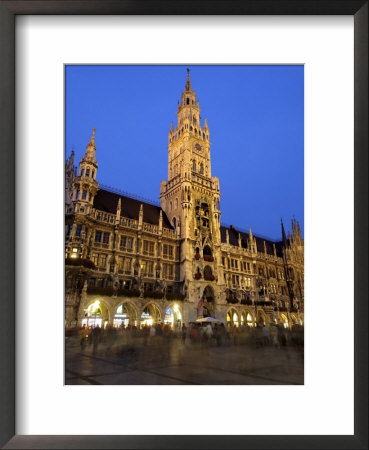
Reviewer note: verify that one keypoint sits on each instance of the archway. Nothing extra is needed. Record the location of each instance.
(294, 319)
(247, 319)
(150, 315)
(283, 320)
(173, 316)
(125, 315)
(96, 314)
(232, 317)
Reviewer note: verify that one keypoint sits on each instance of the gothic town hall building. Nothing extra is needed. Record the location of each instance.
(132, 262)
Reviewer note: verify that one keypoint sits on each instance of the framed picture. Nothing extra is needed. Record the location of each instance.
(96, 416)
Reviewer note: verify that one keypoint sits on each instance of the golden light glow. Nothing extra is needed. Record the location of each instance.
(94, 307)
(175, 308)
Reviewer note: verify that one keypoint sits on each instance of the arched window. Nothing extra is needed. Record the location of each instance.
(194, 165)
(207, 250)
(202, 169)
(188, 101)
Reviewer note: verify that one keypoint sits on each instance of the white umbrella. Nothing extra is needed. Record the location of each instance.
(208, 319)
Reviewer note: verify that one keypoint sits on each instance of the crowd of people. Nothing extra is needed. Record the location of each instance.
(193, 334)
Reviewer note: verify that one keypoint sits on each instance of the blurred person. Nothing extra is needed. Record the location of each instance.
(96, 334)
(194, 334)
(235, 335)
(184, 333)
(265, 333)
(273, 331)
(84, 336)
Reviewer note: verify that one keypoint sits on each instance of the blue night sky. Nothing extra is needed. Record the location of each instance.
(256, 119)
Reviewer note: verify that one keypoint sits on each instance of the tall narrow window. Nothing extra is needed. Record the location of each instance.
(78, 230)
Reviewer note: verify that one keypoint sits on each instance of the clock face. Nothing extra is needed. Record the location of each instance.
(198, 147)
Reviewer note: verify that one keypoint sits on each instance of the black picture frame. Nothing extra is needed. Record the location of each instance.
(8, 12)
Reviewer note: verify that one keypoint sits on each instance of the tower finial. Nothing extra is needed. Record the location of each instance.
(188, 81)
(283, 235)
(91, 147)
(92, 140)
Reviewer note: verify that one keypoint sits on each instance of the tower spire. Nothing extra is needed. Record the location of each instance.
(188, 87)
(91, 148)
(284, 235)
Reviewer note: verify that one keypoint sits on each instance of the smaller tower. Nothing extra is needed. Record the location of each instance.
(70, 173)
(85, 185)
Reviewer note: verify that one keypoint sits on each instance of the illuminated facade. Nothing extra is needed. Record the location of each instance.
(130, 261)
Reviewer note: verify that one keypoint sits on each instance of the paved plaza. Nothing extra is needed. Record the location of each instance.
(176, 362)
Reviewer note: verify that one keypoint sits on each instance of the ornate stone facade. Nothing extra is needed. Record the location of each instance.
(129, 261)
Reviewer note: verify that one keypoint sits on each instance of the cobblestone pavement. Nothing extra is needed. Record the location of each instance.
(178, 363)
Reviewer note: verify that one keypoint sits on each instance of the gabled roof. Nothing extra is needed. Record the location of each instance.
(130, 207)
(233, 240)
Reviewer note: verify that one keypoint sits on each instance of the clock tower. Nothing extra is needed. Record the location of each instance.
(190, 198)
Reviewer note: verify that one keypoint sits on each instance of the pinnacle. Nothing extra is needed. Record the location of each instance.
(188, 86)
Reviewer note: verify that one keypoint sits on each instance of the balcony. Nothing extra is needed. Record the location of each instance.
(247, 302)
(104, 217)
(128, 292)
(174, 296)
(128, 223)
(105, 291)
(87, 263)
(169, 233)
(153, 294)
(149, 228)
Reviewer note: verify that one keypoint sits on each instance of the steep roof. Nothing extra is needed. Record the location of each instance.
(233, 240)
(108, 201)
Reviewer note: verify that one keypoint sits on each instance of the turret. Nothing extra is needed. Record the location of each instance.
(85, 185)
